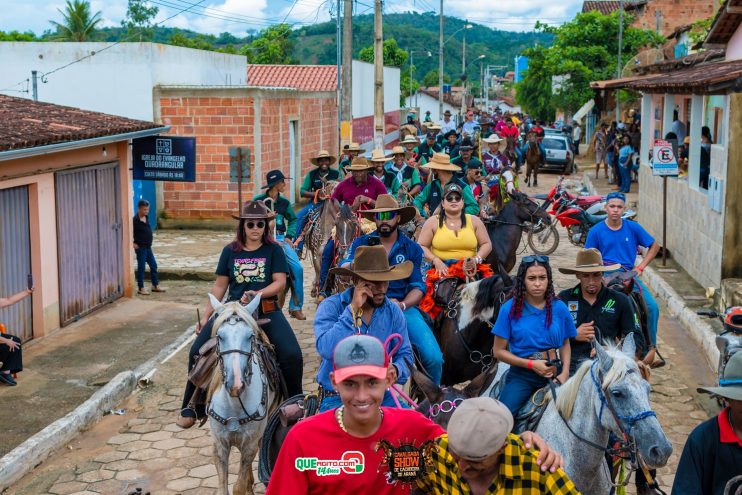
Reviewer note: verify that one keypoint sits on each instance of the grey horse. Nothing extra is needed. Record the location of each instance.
(241, 395)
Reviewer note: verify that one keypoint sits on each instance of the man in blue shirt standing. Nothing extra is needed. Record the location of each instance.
(363, 309)
(407, 292)
(618, 241)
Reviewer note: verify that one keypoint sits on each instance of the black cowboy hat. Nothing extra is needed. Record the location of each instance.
(450, 133)
(272, 178)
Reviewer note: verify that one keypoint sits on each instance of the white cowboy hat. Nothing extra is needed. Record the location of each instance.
(493, 138)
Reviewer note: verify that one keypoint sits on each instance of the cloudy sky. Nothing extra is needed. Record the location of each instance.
(240, 16)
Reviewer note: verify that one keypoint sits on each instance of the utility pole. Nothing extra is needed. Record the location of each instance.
(463, 50)
(35, 85)
(410, 92)
(378, 77)
(618, 65)
(346, 119)
(440, 65)
(658, 19)
(338, 61)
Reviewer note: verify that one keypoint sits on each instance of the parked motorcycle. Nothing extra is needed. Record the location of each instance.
(730, 340)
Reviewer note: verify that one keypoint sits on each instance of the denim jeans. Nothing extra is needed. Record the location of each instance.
(423, 340)
(625, 178)
(146, 256)
(297, 275)
(520, 385)
(334, 402)
(653, 310)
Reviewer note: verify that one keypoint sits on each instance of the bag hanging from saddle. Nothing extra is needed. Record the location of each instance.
(205, 362)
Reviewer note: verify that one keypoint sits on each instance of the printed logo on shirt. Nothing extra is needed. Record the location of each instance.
(573, 305)
(609, 307)
(249, 270)
(400, 259)
(352, 462)
(406, 463)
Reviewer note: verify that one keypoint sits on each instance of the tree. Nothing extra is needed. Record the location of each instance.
(138, 20)
(394, 56)
(17, 36)
(431, 78)
(584, 50)
(78, 24)
(272, 46)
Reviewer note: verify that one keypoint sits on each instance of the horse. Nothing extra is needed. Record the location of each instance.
(511, 151)
(606, 396)
(506, 229)
(533, 158)
(241, 393)
(347, 229)
(318, 230)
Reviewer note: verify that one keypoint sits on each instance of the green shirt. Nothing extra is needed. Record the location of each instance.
(434, 188)
(306, 186)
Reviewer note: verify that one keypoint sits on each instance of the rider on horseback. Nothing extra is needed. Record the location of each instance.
(494, 160)
(361, 189)
(313, 184)
(534, 154)
(352, 151)
(406, 173)
(379, 159)
(364, 308)
(466, 158)
(407, 292)
(431, 196)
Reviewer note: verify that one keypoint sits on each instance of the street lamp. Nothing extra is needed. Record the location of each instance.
(440, 59)
(412, 52)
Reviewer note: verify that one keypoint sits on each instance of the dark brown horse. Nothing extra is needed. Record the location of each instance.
(534, 158)
(347, 229)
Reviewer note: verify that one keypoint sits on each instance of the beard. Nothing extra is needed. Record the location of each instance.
(386, 230)
(374, 304)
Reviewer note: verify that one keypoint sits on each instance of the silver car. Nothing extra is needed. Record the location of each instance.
(559, 154)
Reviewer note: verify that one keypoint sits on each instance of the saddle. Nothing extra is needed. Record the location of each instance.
(530, 414)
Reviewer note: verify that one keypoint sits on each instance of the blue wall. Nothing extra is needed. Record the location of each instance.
(145, 189)
(521, 66)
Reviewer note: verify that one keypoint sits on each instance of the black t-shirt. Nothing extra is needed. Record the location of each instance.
(251, 270)
(707, 464)
(142, 232)
(612, 313)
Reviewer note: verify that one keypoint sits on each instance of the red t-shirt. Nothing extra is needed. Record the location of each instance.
(506, 132)
(348, 190)
(302, 467)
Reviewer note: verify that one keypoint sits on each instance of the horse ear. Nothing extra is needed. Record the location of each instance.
(252, 306)
(430, 390)
(605, 360)
(478, 384)
(629, 346)
(215, 303)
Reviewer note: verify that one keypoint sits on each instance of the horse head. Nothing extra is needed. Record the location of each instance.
(235, 329)
(347, 228)
(528, 210)
(621, 400)
(440, 402)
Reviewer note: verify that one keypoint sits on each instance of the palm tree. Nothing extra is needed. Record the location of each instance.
(79, 24)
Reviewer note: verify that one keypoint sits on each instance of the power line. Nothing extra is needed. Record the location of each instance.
(10, 89)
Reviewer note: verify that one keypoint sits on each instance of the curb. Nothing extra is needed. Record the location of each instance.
(700, 331)
(186, 274)
(31, 453)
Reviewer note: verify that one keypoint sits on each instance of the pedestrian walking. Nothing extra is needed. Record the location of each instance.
(143, 249)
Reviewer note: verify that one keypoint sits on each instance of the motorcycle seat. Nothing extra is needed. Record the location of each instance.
(589, 199)
(595, 219)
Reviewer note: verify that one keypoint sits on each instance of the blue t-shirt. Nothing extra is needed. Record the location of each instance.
(619, 246)
(528, 334)
(623, 154)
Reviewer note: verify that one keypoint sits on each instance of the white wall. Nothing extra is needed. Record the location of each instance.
(734, 47)
(363, 89)
(426, 102)
(118, 80)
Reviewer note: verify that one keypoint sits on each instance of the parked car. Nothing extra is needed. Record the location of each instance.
(559, 154)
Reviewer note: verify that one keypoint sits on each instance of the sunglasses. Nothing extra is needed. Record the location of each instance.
(385, 215)
(535, 258)
(453, 198)
(251, 225)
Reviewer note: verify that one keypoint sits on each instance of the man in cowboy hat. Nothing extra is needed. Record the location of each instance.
(410, 145)
(404, 172)
(426, 149)
(599, 313)
(351, 151)
(315, 181)
(432, 195)
(451, 144)
(447, 124)
(711, 462)
(405, 292)
(379, 159)
(363, 308)
(285, 232)
(493, 160)
(360, 190)
(466, 158)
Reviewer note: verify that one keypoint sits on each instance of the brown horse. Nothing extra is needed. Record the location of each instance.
(318, 230)
(511, 143)
(347, 230)
(534, 158)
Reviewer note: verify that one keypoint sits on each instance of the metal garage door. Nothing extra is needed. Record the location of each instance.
(89, 238)
(15, 260)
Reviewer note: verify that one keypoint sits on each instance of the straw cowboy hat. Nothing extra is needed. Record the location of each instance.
(323, 154)
(433, 127)
(254, 210)
(355, 147)
(730, 383)
(378, 156)
(589, 261)
(386, 202)
(358, 164)
(398, 150)
(409, 139)
(441, 161)
(372, 263)
(492, 139)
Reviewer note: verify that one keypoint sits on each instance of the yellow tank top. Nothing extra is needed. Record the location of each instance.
(447, 245)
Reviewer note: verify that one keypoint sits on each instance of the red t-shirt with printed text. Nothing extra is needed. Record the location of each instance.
(307, 463)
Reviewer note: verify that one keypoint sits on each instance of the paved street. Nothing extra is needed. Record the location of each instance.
(144, 449)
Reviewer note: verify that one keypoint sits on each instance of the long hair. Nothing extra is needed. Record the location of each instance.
(519, 291)
(442, 216)
(240, 238)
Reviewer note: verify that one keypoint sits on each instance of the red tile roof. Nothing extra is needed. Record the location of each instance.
(605, 7)
(27, 124)
(301, 77)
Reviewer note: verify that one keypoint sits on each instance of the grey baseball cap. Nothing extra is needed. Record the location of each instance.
(359, 355)
(479, 428)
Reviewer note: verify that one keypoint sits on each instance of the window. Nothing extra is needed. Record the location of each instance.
(554, 144)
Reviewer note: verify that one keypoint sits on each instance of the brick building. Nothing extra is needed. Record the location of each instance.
(672, 13)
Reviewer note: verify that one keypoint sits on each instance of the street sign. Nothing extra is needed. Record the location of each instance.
(663, 159)
(166, 158)
(239, 158)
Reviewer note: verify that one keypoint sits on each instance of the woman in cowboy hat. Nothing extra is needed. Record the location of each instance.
(493, 159)
(253, 263)
(404, 171)
(431, 196)
(379, 159)
(313, 185)
(360, 189)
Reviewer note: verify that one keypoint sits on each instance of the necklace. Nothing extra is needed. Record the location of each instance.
(339, 418)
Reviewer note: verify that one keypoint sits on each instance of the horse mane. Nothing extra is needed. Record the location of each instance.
(569, 392)
(345, 212)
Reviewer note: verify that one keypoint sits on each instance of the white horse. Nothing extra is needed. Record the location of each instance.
(241, 395)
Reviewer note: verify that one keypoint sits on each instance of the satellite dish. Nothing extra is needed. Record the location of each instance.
(641, 59)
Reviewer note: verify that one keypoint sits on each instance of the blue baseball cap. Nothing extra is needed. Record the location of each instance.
(616, 195)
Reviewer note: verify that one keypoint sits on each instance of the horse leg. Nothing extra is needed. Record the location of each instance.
(221, 461)
(529, 167)
(535, 174)
(245, 479)
(316, 265)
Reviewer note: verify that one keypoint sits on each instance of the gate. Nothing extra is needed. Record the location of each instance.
(15, 260)
(89, 239)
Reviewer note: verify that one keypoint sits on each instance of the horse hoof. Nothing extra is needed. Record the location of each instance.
(185, 422)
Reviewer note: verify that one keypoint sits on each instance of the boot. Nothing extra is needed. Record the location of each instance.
(297, 313)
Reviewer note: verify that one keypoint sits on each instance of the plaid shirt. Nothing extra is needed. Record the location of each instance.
(519, 474)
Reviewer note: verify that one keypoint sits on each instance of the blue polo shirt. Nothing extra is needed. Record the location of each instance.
(403, 250)
(528, 334)
(619, 246)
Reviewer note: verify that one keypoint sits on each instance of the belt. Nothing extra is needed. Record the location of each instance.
(323, 392)
(552, 355)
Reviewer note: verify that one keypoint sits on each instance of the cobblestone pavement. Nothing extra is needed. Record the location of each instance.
(144, 449)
